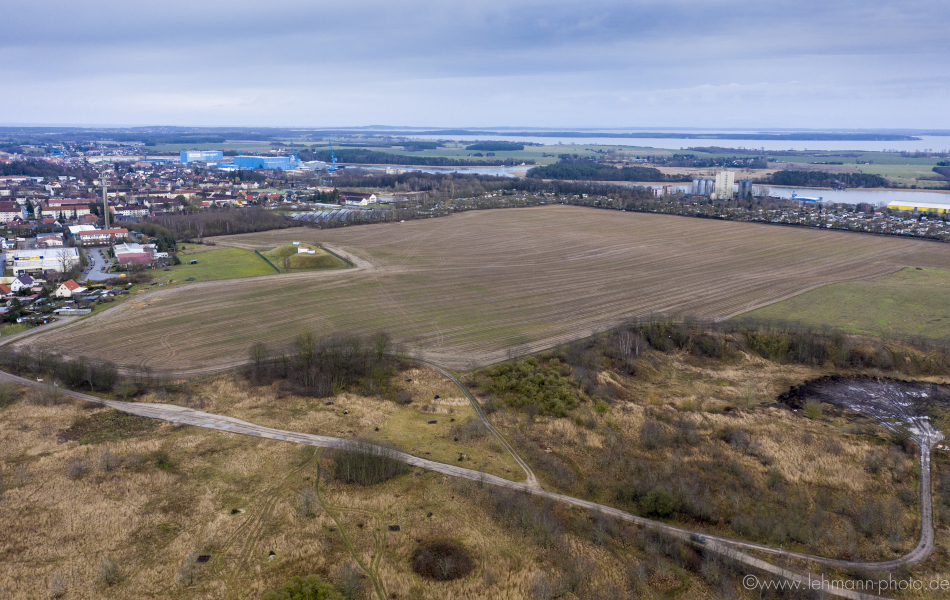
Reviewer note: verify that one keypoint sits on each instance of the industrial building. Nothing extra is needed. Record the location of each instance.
(285, 163)
(919, 206)
(201, 156)
(725, 182)
(745, 187)
(703, 187)
(40, 260)
(720, 188)
(128, 253)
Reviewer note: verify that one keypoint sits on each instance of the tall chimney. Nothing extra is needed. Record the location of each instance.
(105, 202)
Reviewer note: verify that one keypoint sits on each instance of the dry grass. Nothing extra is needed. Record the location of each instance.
(149, 520)
(351, 415)
(462, 290)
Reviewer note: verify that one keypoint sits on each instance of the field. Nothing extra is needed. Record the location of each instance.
(224, 263)
(468, 289)
(908, 303)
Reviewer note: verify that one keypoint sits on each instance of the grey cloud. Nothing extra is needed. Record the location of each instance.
(262, 62)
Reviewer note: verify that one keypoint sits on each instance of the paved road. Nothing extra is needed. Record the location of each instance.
(726, 546)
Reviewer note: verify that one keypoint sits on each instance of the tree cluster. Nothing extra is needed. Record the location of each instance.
(496, 146)
(822, 179)
(585, 171)
(227, 221)
(371, 157)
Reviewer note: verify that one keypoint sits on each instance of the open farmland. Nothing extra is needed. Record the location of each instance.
(909, 303)
(465, 289)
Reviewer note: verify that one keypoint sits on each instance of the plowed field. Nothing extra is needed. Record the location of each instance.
(463, 290)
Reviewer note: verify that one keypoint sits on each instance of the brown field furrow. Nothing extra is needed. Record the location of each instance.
(464, 289)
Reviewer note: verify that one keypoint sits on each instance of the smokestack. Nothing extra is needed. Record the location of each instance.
(105, 202)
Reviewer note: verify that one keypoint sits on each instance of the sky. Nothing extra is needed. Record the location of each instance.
(755, 64)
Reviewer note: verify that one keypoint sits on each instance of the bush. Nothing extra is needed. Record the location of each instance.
(365, 463)
(8, 395)
(310, 587)
(659, 503)
(469, 431)
(531, 381)
(76, 469)
(813, 410)
(442, 561)
(107, 572)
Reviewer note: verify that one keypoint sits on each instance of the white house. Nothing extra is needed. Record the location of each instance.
(68, 288)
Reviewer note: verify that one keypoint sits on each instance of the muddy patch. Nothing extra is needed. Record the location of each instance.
(899, 406)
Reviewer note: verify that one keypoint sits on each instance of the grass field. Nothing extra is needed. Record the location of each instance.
(908, 303)
(465, 289)
(224, 263)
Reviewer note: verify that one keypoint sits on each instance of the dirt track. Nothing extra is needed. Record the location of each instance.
(463, 290)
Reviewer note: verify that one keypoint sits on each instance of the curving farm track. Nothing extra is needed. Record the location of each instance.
(723, 545)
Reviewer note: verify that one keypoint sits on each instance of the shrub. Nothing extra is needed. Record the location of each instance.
(442, 561)
(107, 572)
(76, 469)
(813, 410)
(530, 381)
(307, 503)
(365, 463)
(8, 395)
(310, 587)
(659, 503)
(469, 431)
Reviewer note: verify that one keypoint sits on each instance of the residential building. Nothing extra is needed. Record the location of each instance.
(64, 211)
(68, 288)
(98, 237)
(50, 241)
(11, 210)
(21, 282)
(357, 199)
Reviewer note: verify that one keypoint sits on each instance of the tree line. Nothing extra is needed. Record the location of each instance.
(226, 221)
(496, 146)
(822, 179)
(371, 157)
(585, 171)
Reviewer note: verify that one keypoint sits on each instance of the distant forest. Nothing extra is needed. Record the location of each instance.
(822, 179)
(456, 185)
(496, 146)
(41, 168)
(371, 157)
(588, 171)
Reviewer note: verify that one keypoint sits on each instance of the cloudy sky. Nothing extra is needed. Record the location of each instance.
(458, 63)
